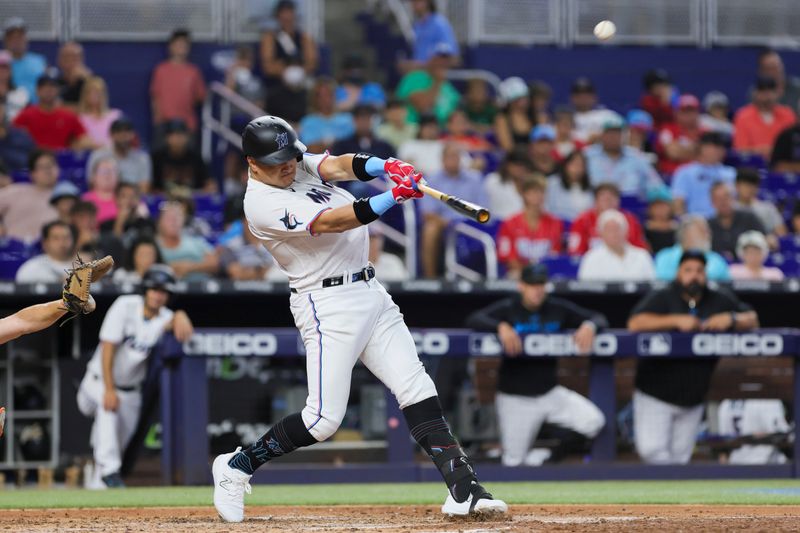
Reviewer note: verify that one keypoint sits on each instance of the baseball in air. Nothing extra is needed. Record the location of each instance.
(605, 30)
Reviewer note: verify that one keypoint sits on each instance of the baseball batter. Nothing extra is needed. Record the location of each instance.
(318, 236)
(110, 391)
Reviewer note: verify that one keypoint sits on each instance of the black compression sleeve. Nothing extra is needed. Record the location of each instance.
(360, 166)
(364, 212)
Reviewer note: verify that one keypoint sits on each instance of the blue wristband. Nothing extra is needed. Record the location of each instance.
(374, 166)
(380, 203)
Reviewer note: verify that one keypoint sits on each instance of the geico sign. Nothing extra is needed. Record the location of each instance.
(431, 342)
(560, 345)
(737, 344)
(264, 344)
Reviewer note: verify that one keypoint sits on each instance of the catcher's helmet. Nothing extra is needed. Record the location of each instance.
(272, 141)
(159, 277)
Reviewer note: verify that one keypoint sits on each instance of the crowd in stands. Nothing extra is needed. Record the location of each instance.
(623, 192)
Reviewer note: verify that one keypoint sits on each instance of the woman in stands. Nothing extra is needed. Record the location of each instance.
(568, 191)
(94, 112)
(143, 254)
(103, 180)
(753, 250)
(513, 125)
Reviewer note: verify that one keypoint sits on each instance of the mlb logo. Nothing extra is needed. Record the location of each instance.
(484, 344)
(283, 140)
(654, 344)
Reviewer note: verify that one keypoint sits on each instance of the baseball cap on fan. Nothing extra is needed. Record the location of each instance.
(543, 132)
(14, 23)
(582, 85)
(688, 101)
(48, 77)
(443, 48)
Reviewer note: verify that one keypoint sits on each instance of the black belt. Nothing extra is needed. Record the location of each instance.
(129, 388)
(365, 274)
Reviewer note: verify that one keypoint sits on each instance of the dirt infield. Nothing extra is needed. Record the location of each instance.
(396, 519)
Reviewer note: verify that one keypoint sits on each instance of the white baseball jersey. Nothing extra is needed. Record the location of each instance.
(753, 417)
(134, 335)
(282, 218)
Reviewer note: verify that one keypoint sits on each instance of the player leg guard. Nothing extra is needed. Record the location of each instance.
(286, 436)
(429, 428)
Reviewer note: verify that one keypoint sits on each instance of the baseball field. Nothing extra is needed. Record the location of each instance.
(764, 505)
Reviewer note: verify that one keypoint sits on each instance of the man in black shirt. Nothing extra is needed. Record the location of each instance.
(178, 164)
(528, 393)
(669, 395)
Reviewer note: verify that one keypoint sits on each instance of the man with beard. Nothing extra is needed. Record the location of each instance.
(669, 395)
(133, 163)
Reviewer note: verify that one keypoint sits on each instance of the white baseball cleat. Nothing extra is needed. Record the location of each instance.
(230, 484)
(479, 502)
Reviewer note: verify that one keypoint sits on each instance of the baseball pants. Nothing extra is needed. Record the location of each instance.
(340, 325)
(521, 417)
(112, 430)
(664, 433)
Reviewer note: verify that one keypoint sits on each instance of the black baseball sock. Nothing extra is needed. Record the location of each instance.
(429, 428)
(285, 436)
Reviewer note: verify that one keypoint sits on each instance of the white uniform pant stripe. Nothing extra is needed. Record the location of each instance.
(664, 433)
(319, 363)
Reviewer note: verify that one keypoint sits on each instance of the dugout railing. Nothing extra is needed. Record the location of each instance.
(185, 452)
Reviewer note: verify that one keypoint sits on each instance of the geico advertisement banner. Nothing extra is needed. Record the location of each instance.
(285, 342)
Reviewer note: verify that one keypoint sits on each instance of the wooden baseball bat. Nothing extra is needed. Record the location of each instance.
(468, 209)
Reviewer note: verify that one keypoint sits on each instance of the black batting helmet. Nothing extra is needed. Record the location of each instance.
(159, 277)
(272, 141)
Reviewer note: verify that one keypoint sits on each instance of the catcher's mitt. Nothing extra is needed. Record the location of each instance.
(76, 296)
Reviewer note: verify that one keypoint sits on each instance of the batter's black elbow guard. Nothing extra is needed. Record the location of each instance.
(360, 166)
(364, 212)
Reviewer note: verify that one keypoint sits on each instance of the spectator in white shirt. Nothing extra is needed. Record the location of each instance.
(58, 243)
(614, 259)
(502, 187)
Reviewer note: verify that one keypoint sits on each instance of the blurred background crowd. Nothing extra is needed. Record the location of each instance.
(595, 193)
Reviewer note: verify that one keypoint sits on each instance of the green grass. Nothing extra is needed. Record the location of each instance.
(589, 492)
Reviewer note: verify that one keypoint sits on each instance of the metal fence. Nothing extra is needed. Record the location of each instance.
(154, 20)
(647, 22)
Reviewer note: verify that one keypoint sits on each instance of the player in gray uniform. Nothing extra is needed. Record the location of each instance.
(317, 234)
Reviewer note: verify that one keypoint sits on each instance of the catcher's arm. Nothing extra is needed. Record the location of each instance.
(31, 319)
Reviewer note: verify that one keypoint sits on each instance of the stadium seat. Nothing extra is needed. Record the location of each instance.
(73, 168)
(562, 267)
(211, 208)
(469, 252)
(12, 254)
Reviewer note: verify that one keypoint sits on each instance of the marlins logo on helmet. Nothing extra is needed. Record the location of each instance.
(282, 139)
